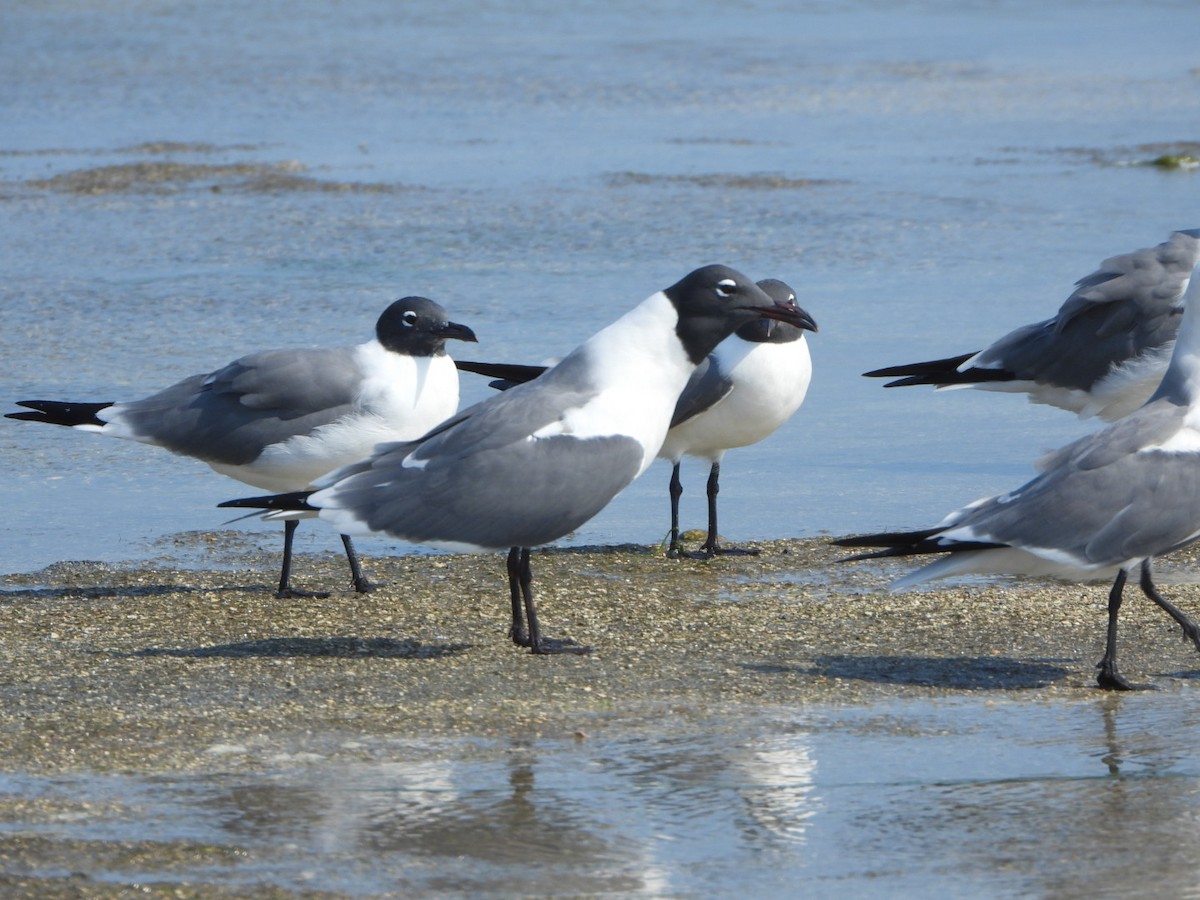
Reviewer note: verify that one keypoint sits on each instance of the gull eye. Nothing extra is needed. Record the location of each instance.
(409, 318)
(726, 287)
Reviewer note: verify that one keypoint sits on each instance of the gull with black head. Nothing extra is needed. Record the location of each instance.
(280, 419)
(740, 394)
(532, 464)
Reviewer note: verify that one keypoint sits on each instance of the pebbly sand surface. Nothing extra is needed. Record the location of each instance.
(144, 669)
(107, 669)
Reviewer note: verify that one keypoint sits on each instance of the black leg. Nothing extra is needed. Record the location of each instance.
(674, 551)
(525, 582)
(712, 545)
(285, 573)
(517, 631)
(1191, 631)
(711, 490)
(518, 562)
(361, 584)
(1109, 678)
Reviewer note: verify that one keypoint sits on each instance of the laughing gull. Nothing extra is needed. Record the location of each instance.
(1101, 506)
(280, 419)
(532, 464)
(1102, 354)
(740, 394)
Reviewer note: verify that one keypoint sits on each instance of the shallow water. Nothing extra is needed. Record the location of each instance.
(982, 796)
(186, 184)
(183, 183)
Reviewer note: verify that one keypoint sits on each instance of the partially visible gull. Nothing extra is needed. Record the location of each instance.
(740, 394)
(1102, 506)
(1102, 355)
(751, 384)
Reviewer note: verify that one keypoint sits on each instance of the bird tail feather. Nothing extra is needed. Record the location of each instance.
(939, 372)
(57, 412)
(296, 501)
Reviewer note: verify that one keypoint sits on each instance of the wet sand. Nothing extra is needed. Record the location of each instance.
(121, 670)
(109, 668)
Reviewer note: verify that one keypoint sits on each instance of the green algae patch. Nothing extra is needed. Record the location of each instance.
(1176, 161)
(168, 176)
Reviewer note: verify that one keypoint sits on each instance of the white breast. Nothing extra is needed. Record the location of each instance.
(770, 382)
(401, 398)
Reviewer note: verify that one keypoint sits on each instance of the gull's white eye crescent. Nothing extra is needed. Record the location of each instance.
(409, 318)
(726, 287)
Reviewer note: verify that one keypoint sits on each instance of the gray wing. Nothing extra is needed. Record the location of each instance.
(1133, 303)
(231, 415)
(480, 479)
(295, 382)
(707, 385)
(518, 495)
(1099, 499)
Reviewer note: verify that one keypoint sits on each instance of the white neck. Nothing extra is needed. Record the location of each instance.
(637, 367)
(1181, 383)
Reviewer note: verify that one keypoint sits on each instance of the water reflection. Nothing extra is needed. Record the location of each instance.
(1098, 798)
(992, 794)
(780, 795)
(643, 816)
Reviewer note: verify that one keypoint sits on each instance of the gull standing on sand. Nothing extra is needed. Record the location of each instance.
(751, 384)
(1102, 506)
(280, 419)
(1102, 355)
(740, 394)
(532, 464)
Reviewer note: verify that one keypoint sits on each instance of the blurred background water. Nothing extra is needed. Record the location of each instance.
(182, 183)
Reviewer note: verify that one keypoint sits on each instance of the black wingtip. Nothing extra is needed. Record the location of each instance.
(915, 380)
(296, 501)
(58, 412)
(939, 373)
(510, 373)
(886, 538)
(930, 368)
(908, 543)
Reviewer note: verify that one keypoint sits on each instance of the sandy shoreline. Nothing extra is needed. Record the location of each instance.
(124, 669)
(118, 679)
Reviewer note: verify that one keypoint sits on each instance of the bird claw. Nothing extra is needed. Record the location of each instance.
(1192, 634)
(708, 552)
(1111, 680)
(547, 646)
(291, 593)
